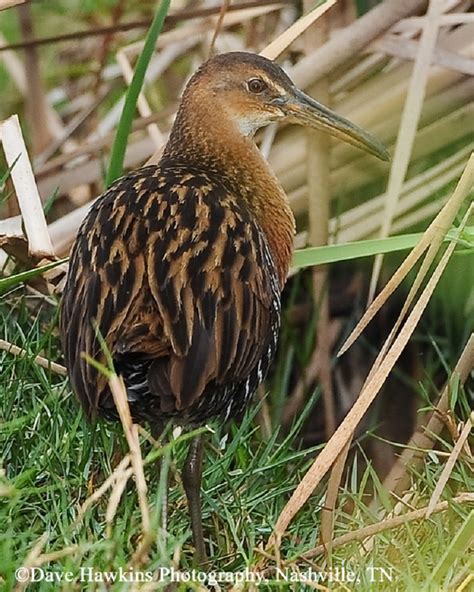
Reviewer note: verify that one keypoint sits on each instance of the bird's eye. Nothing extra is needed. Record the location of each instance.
(256, 85)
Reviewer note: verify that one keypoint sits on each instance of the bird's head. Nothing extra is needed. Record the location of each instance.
(253, 92)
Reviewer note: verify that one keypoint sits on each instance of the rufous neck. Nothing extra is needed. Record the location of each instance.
(204, 136)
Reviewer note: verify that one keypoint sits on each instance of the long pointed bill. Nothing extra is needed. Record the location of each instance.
(302, 109)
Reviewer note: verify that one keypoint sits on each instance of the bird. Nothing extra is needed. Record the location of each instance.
(178, 267)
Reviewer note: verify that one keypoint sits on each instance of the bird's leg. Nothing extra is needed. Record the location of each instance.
(192, 473)
(156, 432)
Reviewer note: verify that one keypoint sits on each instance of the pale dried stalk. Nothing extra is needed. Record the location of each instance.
(118, 488)
(449, 466)
(39, 242)
(218, 27)
(319, 196)
(121, 468)
(344, 432)
(398, 479)
(365, 106)
(278, 45)
(43, 362)
(437, 232)
(202, 26)
(457, 19)
(330, 501)
(445, 130)
(35, 95)
(365, 220)
(430, 241)
(421, 214)
(4, 4)
(14, 67)
(415, 23)
(341, 48)
(91, 171)
(408, 126)
(10, 228)
(31, 559)
(408, 50)
(118, 391)
(353, 226)
(55, 555)
(36, 558)
(388, 524)
(142, 103)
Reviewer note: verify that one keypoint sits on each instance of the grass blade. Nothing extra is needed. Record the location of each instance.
(125, 123)
(367, 248)
(24, 276)
(458, 547)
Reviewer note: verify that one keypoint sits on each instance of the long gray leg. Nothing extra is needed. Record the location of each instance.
(192, 474)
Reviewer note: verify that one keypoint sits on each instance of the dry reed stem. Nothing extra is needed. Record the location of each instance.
(64, 140)
(459, 18)
(119, 470)
(436, 135)
(408, 126)
(415, 23)
(449, 466)
(35, 560)
(4, 4)
(217, 29)
(31, 559)
(206, 24)
(35, 97)
(39, 242)
(142, 103)
(118, 391)
(415, 450)
(178, 16)
(43, 362)
(319, 196)
(344, 432)
(330, 501)
(118, 488)
(364, 220)
(14, 67)
(408, 50)
(429, 242)
(283, 41)
(342, 48)
(437, 236)
(10, 228)
(387, 524)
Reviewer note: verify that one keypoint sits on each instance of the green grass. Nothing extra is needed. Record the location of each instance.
(128, 113)
(52, 460)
